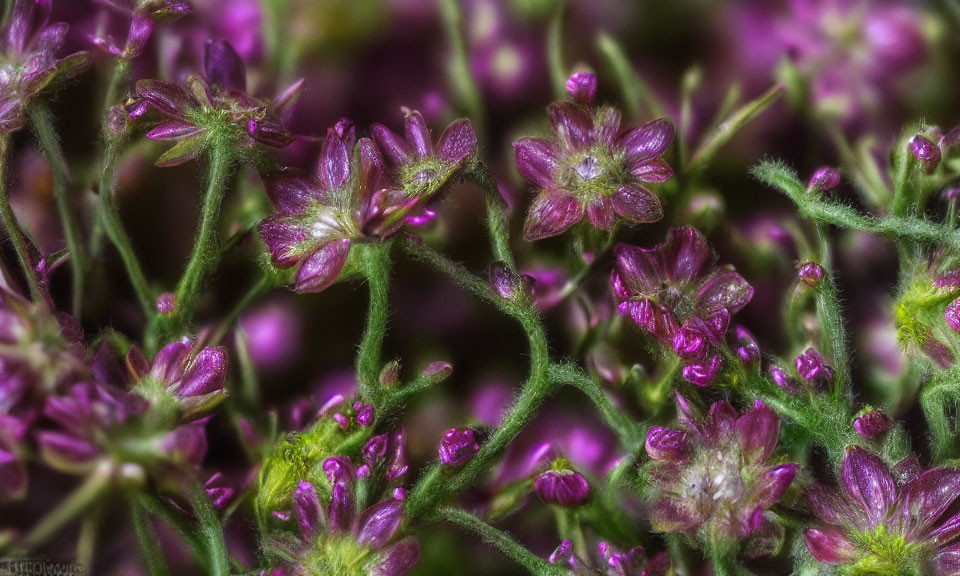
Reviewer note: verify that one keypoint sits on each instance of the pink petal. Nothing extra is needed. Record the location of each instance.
(551, 213)
(321, 269)
(637, 204)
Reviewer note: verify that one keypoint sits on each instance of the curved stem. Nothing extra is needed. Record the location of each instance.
(498, 226)
(628, 433)
(503, 541)
(376, 269)
(16, 234)
(71, 508)
(210, 533)
(113, 226)
(461, 81)
(49, 142)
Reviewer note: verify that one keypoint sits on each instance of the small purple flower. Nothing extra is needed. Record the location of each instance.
(611, 562)
(144, 16)
(458, 447)
(562, 485)
(592, 167)
(810, 273)
(894, 525)
(194, 376)
(677, 294)
(824, 179)
(509, 285)
(218, 491)
(30, 65)
(872, 423)
(365, 413)
(215, 105)
(167, 303)
(714, 477)
(417, 168)
(926, 151)
(813, 368)
(747, 348)
(952, 315)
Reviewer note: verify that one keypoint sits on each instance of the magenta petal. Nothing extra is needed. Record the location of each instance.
(306, 504)
(651, 317)
(457, 142)
(417, 133)
(283, 239)
(607, 126)
(702, 374)
(638, 204)
(208, 373)
(223, 66)
(830, 545)
(391, 145)
(656, 170)
(170, 362)
(946, 562)
(551, 213)
(173, 130)
(647, 142)
(828, 505)
(378, 523)
(582, 87)
(565, 488)
(685, 253)
(922, 501)
(320, 270)
(291, 191)
(334, 169)
(726, 290)
(601, 214)
(668, 515)
(572, 125)
(169, 99)
(774, 483)
(639, 269)
(399, 559)
(758, 430)
(536, 160)
(867, 480)
(667, 444)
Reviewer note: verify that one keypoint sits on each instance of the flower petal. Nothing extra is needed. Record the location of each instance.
(946, 562)
(572, 125)
(684, 254)
(868, 481)
(320, 269)
(601, 214)
(224, 67)
(334, 168)
(830, 545)
(758, 430)
(668, 515)
(638, 204)
(774, 483)
(726, 290)
(392, 145)
(457, 142)
(283, 239)
(306, 504)
(607, 125)
(173, 130)
(536, 160)
(399, 559)
(291, 191)
(168, 98)
(667, 444)
(640, 269)
(652, 317)
(921, 502)
(551, 213)
(656, 170)
(646, 142)
(207, 373)
(378, 523)
(183, 151)
(417, 133)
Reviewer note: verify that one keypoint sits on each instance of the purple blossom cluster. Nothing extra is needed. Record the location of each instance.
(701, 317)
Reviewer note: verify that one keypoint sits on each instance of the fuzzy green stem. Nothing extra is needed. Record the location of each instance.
(830, 313)
(625, 429)
(121, 72)
(633, 90)
(500, 539)
(147, 541)
(461, 82)
(10, 224)
(175, 520)
(92, 489)
(210, 533)
(49, 141)
(498, 219)
(113, 226)
(87, 540)
(453, 270)
(558, 70)
(376, 270)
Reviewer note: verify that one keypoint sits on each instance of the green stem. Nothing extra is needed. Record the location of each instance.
(210, 533)
(626, 430)
(633, 89)
(49, 142)
(558, 70)
(113, 226)
(376, 269)
(498, 219)
(503, 541)
(92, 489)
(121, 73)
(16, 234)
(87, 540)
(831, 319)
(176, 520)
(462, 84)
(147, 541)
(456, 272)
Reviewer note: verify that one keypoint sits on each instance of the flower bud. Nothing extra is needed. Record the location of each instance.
(748, 351)
(952, 315)
(810, 273)
(390, 375)
(582, 87)
(872, 423)
(926, 151)
(811, 367)
(667, 444)
(824, 179)
(702, 374)
(783, 380)
(365, 413)
(458, 447)
(508, 285)
(563, 486)
(166, 303)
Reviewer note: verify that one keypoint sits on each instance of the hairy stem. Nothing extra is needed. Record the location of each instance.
(210, 533)
(376, 270)
(92, 489)
(10, 224)
(626, 430)
(498, 219)
(147, 541)
(461, 82)
(49, 141)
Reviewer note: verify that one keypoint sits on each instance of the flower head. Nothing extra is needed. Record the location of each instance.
(676, 293)
(317, 217)
(562, 485)
(714, 477)
(611, 562)
(458, 447)
(29, 64)
(878, 523)
(591, 166)
(213, 106)
(144, 15)
(416, 168)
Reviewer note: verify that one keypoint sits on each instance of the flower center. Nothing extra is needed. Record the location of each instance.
(588, 168)
(340, 555)
(888, 554)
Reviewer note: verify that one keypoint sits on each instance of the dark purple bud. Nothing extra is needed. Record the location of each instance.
(926, 151)
(375, 450)
(365, 413)
(434, 369)
(952, 315)
(562, 486)
(810, 273)
(783, 380)
(825, 179)
(166, 303)
(690, 343)
(306, 505)
(873, 424)
(379, 523)
(390, 374)
(667, 444)
(508, 285)
(458, 446)
(748, 351)
(811, 367)
(399, 493)
(582, 87)
(223, 66)
(702, 374)
(206, 374)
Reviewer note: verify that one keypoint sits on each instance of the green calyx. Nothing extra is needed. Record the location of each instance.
(593, 172)
(887, 554)
(425, 176)
(919, 310)
(339, 555)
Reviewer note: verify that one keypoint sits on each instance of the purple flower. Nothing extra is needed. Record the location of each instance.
(747, 348)
(215, 105)
(715, 476)
(611, 562)
(894, 525)
(810, 273)
(192, 375)
(926, 151)
(813, 368)
(416, 168)
(675, 292)
(872, 423)
(824, 179)
(591, 167)
(562, 485)
(30, 64)
(509, 285)
(458, 447)
(144, 15)
(339, 530)
(317, 218)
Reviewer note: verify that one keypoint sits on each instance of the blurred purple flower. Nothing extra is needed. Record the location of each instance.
(562, 485)
(191, 375)
(591, 167)
(611, 562)
(143, 15)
